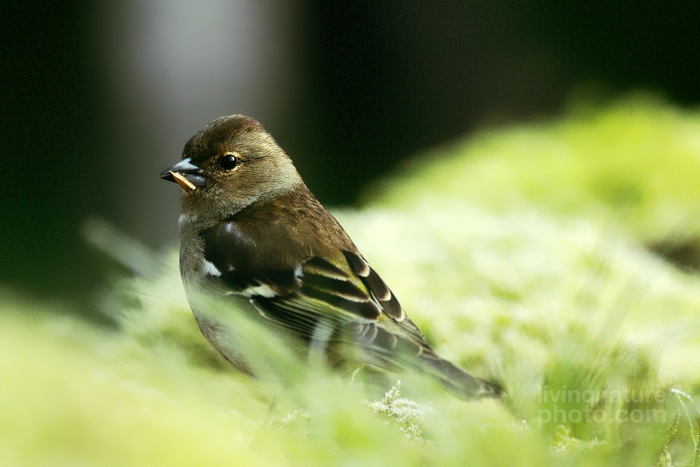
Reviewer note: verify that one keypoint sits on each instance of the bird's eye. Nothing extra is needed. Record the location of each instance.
(228, 161)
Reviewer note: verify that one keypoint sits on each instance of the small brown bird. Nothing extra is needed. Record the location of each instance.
(252, 232)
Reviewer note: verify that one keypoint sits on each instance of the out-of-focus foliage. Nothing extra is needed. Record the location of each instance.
(635, 162)
(513, 254)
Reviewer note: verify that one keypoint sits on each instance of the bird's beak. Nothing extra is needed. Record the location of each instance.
(186, 174)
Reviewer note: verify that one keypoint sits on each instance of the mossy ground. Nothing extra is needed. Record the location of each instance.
(543, 257)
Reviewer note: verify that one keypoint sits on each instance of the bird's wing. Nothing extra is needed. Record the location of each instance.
(328, 298)
(331, 307)
(305, 294)
(353, 300)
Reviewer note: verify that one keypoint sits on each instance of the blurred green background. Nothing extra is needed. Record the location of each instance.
(98, 97)
(525, 176)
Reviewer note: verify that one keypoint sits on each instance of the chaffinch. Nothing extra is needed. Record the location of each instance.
(252, 233)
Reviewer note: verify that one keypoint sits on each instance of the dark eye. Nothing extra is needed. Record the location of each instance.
(228, 161)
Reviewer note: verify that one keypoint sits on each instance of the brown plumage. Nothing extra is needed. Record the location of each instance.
(253, 233)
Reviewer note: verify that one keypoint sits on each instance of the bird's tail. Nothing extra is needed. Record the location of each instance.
(460, 383)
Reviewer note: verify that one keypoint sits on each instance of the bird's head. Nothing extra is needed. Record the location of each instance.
(228, 165)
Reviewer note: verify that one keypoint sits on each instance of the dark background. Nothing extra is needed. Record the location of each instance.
(97, 98)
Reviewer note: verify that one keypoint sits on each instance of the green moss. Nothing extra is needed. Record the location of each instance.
(521, 255)
(635, 162)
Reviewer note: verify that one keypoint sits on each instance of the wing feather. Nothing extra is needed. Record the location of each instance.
(304, 290)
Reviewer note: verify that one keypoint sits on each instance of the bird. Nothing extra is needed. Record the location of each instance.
(255, 240)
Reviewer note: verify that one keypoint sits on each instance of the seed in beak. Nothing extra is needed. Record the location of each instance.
(183, 182)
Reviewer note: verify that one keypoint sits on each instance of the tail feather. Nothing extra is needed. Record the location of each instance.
(460, 383)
